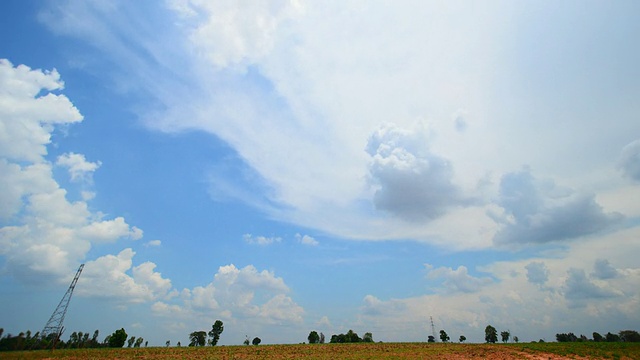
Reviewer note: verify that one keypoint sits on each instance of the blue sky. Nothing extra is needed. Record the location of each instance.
(288, 166)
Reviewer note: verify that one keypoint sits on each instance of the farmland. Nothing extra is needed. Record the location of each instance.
(587, 350)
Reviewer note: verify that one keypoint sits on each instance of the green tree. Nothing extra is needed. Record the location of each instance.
(490, 334)
(629, 336)
(131, 341)
(597, 337)
(612, 337)
(463, 338)
(198, 338)
(138, 342)
(515, 338)
(216, 330)
(505, 336)
(117, 339)
(431, 339)
(443, 336)
(94, 339)
(352, 337)
(321, 338)
(256, 341)
(313, 337)
(368, 337)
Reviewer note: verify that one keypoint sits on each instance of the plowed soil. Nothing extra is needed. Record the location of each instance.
(550, 351)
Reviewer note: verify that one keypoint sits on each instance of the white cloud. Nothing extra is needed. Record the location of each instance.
(630, 160)
(569, 299)
(458, 280)
(579, 289)
(238, 294)
(309, 83)
(604, 270)
(230, 34)
(307, 240)
(537, 272)
(154, 243)
(411, 182)
(109, 230)
(79, 167)
(540, 211)
(114, 276)
(27, 116)
(260, 240)
(45, 235)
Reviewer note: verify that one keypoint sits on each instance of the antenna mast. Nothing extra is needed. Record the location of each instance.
(433, 328)
(54, 325)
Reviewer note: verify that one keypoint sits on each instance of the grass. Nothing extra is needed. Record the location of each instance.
(349, 351)
(595, 350)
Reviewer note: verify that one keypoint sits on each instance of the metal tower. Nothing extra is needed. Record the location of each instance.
(54, 325)
(433, 328)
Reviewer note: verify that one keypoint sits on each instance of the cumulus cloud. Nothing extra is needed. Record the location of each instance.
(230, 34)
(307, 240)
(79, 168)
(604, 270)
(45, 235)
(27, 115)
(411, 182)
(239, 293)
(260, 240)
(154, 243)
(578, 288)
(537, 272)
(458, 280)
(538, 211)
(629, 161)
(114, 276)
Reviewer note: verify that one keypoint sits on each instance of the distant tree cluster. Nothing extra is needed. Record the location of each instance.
(199, 338)
(315, 338)
(624, 335)
(77, 340)
(351, 337)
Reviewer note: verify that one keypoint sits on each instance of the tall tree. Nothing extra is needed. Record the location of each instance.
(505, 336)
(138, 342)
(443, 336)
(118, 338)
(629, 336)
(321, 338)
(198, 338)
(368, 337)
(490, 334)
(131, 341)
(313, 337)
(216, 330)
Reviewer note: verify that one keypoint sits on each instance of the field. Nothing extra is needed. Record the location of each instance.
(540, 351)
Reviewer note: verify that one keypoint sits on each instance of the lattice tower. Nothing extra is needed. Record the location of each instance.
(54, 325)
(433, 328)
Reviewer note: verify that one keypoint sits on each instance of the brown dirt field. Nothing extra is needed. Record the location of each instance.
(345, 351)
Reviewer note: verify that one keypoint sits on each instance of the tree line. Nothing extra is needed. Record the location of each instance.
(77, 340)
(27, 341)
(624, 336)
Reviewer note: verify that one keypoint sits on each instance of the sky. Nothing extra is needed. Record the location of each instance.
(289, 166)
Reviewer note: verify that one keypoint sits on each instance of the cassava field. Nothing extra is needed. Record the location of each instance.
(540, 351)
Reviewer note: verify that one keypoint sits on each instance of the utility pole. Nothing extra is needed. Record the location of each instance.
(54, 325)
